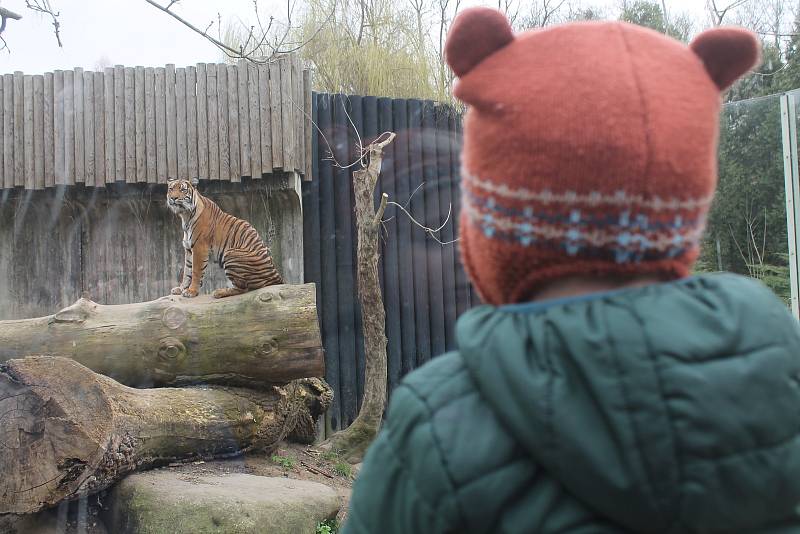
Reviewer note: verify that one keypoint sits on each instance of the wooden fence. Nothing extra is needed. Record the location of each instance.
(424, 286)
(144, 125)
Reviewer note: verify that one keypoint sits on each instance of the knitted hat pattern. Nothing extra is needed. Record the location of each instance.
(589, 148)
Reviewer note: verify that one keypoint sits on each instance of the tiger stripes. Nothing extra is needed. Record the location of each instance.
(234, 243)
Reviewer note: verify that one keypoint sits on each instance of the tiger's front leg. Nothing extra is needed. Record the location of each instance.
(199, 263)
(187, 273)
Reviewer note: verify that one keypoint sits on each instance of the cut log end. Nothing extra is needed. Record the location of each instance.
(47, 439)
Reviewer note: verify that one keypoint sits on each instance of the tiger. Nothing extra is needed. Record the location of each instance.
(233, 242)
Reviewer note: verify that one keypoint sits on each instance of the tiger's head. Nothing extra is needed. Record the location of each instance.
(181, 196)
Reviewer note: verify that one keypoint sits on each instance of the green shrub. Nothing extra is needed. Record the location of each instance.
(329, 526)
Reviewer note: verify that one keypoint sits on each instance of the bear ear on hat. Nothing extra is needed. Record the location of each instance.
(727, 53)
(475, 34)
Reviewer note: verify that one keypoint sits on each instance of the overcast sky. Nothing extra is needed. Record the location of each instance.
(132, 32)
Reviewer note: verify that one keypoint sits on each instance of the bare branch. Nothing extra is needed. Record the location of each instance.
(43, 6)
(428, 230)
(7, 14)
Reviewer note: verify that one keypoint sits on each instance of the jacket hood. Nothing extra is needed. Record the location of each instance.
(669, 408)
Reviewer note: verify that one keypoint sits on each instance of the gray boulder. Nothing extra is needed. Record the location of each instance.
(164, 501)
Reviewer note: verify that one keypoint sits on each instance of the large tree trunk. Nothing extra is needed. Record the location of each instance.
(268, 336)
(66, 431)
(352, 442)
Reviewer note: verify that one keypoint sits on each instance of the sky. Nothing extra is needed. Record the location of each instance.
(100, 33)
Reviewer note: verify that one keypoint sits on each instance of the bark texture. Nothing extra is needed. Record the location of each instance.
(268, 336)
(66, 431)
(352, 442)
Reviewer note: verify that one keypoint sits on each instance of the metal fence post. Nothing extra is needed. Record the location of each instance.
(792, 185)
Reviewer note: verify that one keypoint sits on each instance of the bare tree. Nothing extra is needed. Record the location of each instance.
(543, 13)
(259, 42)
(717, 10)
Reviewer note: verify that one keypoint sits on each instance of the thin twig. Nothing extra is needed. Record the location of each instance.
(230, 52)
(43, 6)
(429, 231)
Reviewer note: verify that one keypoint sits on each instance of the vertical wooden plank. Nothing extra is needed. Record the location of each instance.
(462, 284)
(88, 128)
(109, 105)
(119, 123)
(162, 168)
(150, 124)
(38, 131)
(180, 122)
(418, 237)
(191, 123)
(308, 127)
(99, 130)
(244, 120)
(8, 131)
(58, 129)
(213, 127)
(390, 244)
(329, 301)
(172, 116)
(445, 184)
(275, 114)
(202, 123)
(233, 124)
(69, 127)
(80, 167)
(254, 128)
(2, 135)
(49, 102)
(312, 260)
(297, 113)
(433, 215)
(265, 116)
(19, 130)
(140, 124)
(28, 135)
(287, 116)
(404, 235)
(130, 126)
(222, 122)
(345, 268)
(356, 110)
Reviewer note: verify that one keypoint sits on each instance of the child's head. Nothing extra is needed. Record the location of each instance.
(589, 148)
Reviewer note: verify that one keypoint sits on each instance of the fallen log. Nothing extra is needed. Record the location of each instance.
(268, 336)
(66, 431)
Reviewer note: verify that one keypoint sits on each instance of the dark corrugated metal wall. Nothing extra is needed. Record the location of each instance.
(424, 286)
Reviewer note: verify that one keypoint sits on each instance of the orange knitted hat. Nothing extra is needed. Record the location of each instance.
(589, 148)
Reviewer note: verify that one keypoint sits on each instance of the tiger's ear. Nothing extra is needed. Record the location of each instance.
(195, 181)
(171, 180)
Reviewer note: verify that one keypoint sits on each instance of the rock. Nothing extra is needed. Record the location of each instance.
(166, 501)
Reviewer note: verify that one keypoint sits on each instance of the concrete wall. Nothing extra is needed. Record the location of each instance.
(121, 244)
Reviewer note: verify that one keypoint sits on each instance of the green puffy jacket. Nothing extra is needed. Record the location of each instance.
(668, 408)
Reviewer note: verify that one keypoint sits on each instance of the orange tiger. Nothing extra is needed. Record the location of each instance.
(234, 243)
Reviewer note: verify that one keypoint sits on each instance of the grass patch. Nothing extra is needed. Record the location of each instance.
(330, 456)
(343, 469)
(283, 461)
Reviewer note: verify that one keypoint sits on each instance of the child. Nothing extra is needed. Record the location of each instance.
(602, 389)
